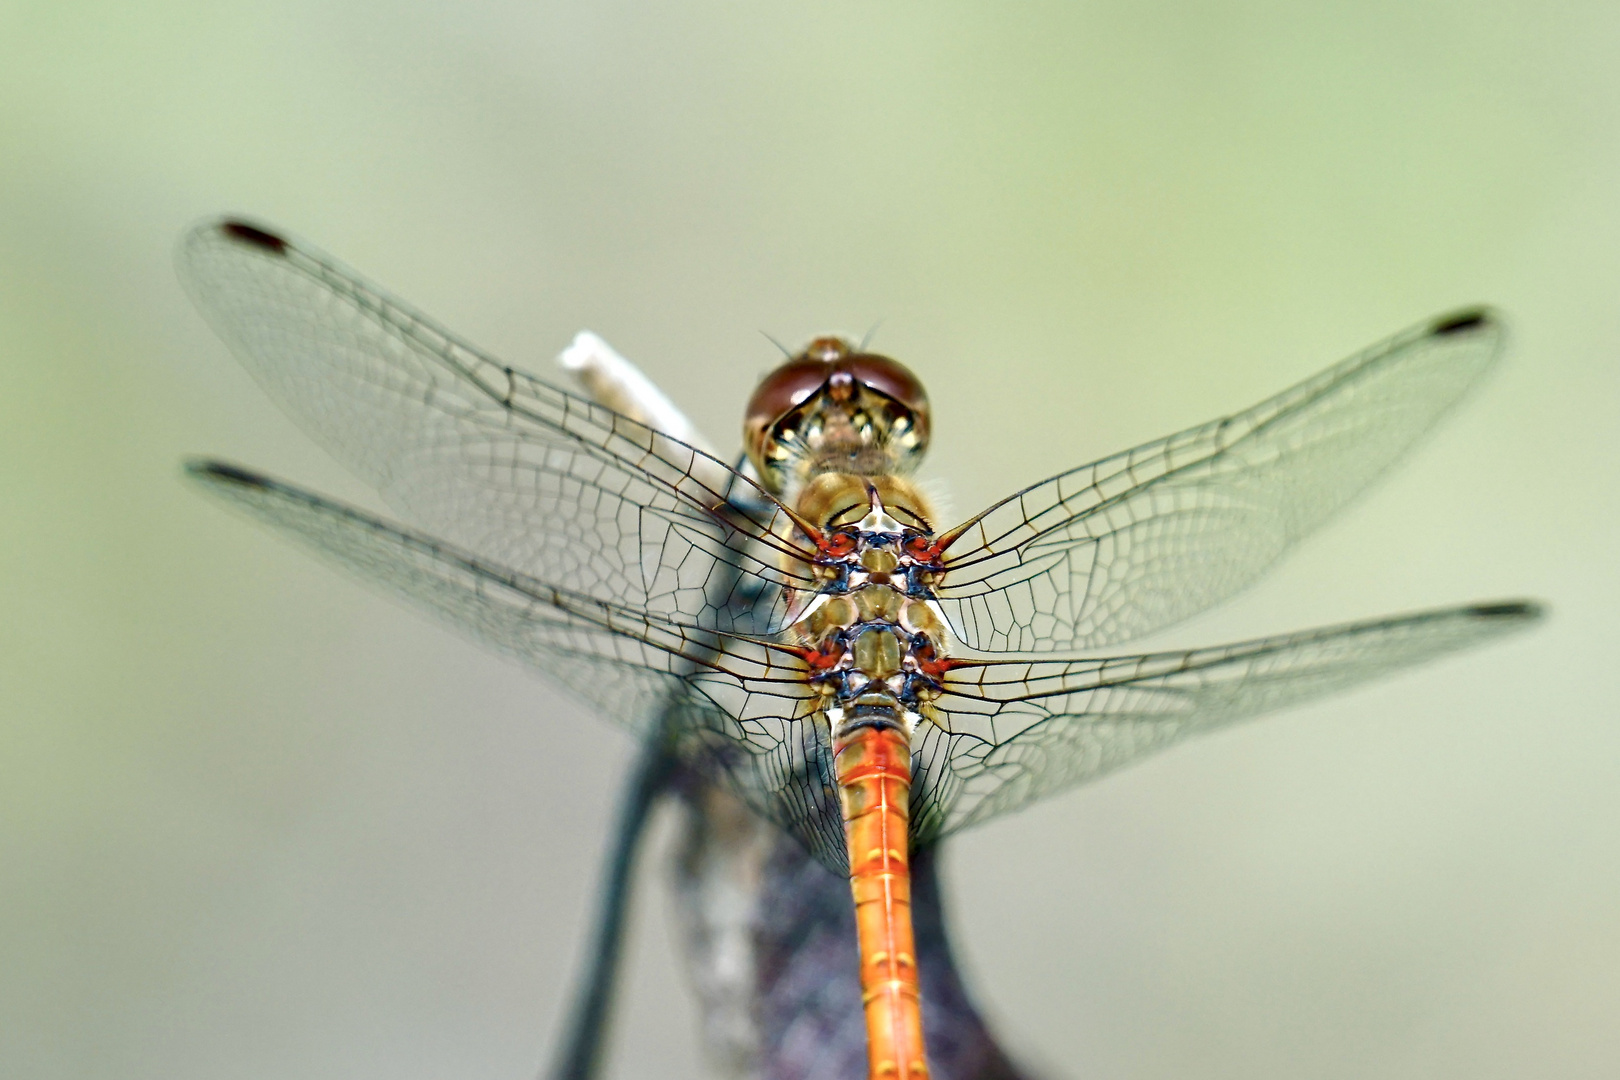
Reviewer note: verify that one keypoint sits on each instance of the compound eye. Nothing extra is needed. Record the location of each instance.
(835, 387)
(891, 379)
(779, 393)
(785, 388)
(829, 360)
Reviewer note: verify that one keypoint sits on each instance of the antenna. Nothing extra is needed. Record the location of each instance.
(785, 353)
(866, 339)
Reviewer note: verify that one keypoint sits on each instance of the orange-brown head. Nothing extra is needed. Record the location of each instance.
(833, 408)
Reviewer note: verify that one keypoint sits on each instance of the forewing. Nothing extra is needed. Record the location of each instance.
(1138, 541)
(1018, 731)
(500, 463)
(736, 709)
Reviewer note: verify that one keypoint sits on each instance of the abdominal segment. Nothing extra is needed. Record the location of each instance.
(873, 764)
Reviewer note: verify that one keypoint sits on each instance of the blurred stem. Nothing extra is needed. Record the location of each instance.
(579, 1055)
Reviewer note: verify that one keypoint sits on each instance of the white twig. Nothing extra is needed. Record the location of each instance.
(617, 383)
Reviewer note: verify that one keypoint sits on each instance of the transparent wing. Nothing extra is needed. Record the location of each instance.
(535, 479)
(736, 708)
(739, 711)
(1134, 542)
(1021, 730)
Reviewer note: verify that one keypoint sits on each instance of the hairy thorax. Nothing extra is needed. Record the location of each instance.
(873, 637)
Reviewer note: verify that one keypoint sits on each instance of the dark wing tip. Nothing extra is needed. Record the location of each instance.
(1462, 322)
(208, 469)
(253, 236)
(1519, 610)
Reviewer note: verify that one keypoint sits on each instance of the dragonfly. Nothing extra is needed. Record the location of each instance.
(799, 628)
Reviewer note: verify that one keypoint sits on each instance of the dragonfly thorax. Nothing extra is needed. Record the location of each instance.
(871, 634)
(869, 530)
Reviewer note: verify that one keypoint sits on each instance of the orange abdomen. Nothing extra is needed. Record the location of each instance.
(874, 786)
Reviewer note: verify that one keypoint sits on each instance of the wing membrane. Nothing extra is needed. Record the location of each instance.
(536, 479)
(1138, 541)
(736, 709)
(1008, 732)
(636, 571)
(1022, 730)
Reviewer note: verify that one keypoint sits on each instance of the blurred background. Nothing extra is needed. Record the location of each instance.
(256, 822)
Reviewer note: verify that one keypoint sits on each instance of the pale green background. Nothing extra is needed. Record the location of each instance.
(257, 823)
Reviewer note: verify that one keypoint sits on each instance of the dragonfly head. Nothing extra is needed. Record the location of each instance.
(834, 408)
